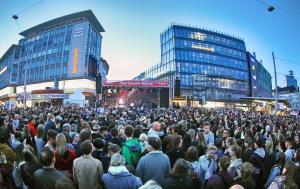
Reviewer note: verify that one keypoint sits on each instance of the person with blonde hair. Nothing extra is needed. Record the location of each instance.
(64, 157)
(286, 179)
(246, 180)
(208, 164)
(143, 141)
(29, 167)
(151, 184)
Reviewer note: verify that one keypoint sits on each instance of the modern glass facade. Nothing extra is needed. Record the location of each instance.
(289, 81)
(207, 63)
(260, 78)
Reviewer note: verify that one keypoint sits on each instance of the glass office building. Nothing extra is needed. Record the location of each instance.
(208, 63)
(67, 48)
(260, 78)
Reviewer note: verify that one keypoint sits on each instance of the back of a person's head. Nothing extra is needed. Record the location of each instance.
(246, 172)
(114, 132)
(176, 142)
(50, 117)
(181, 169)
(64, 183)
(224, 163)
(85, 134)
(176, 129)
(128, 131)
(46, 156)
(19, 155)
(117, 160)
(237, 150)
(40, 131)
(151, 184)
(114, 148)
(236, 186)
(86, 147)
(191, 154)
(51, 134)
(98, 143)
(143, 137)
(290, 167)
(154, 142)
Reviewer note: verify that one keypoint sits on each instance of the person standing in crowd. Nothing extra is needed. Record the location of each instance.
(118, 175)
(223, 179)
(235, 160)
(50, 124)
(106, 158)
(131, 150)
(26, 136)
(64, 157)
(209, 136)
(259, 150)
(40, 143)
(176, 152)
(29, 167)
(154, 131)
(289, 153)
(32, 129)
(169, 140)
(17, 139)
(191, 157)
(51, 139)
(114, 140)
(45, 178)
(248, 144)
(75, 140)
(246, 180)
(286, 179)
(208, 165)
(179, 177)
(16, 121)
(87, 171)
(276, 170)
(201, 144)
(10, 155)
(145, 169)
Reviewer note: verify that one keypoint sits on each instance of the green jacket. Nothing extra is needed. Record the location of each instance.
(9, 154)
(131, 151)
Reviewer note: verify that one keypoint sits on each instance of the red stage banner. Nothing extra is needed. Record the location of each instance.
(128, 83)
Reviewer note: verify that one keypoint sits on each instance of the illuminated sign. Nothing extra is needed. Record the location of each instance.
(3, 70)
(78, 32)
(252, 59)
(254, 77)
(253, 67)
(203, 48)
(254, 87)
(75, 61)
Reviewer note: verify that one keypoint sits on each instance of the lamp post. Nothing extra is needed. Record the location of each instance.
(25, 87)
(276, 94)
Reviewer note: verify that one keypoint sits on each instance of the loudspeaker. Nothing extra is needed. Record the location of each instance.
(98, 84)
(177, 87)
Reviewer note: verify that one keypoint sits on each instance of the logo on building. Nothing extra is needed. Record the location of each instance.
(203, 48)
(78, 32)
(75, 61)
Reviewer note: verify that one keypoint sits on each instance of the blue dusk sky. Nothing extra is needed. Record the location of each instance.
(131, 43)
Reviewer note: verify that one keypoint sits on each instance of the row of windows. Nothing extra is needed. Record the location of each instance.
(48, 72)
(210, 58)
(201, 36)
(195, 45)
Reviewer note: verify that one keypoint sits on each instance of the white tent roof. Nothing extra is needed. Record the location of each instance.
(77, 95)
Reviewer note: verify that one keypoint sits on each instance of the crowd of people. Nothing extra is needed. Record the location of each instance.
(85, 148)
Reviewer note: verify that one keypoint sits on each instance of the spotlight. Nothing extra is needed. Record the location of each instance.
(271, 8)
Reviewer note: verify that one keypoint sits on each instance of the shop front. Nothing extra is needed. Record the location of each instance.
(47, 97)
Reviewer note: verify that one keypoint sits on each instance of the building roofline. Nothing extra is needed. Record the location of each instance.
(204, 29)
(10, 49)
(87, 14)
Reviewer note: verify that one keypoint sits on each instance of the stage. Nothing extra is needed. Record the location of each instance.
(132, 93)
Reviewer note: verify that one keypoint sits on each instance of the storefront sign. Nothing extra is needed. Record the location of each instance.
(48, 96)
(136, 83)
(75, 61)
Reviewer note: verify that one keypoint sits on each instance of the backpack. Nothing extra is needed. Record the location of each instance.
(194, 175)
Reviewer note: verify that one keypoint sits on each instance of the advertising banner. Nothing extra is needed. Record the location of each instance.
(128, 83)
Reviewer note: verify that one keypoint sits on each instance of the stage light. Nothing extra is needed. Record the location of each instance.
(120, 101)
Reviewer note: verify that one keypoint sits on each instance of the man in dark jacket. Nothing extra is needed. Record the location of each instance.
(46, 177)
(175, 152)
(50, 124)
(115, 140)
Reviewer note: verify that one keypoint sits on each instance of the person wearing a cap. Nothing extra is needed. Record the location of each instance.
(66, 127)
(96, 132)
(259, 150)
(118, 175)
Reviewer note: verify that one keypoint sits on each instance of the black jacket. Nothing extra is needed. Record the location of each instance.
(27, 176)
(174, 183)
(174, 154)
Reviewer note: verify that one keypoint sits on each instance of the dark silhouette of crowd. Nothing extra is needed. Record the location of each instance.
(136, 147)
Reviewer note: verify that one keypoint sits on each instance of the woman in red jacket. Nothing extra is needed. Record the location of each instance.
(63, 156)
